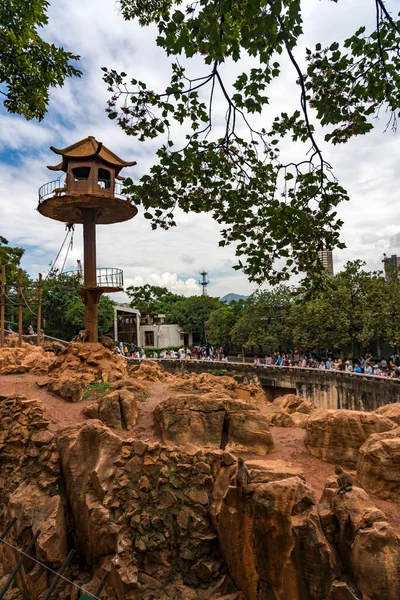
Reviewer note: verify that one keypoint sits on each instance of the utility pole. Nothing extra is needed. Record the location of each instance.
(204, 283)
(20, 308)
(39, 311)
(3, 304)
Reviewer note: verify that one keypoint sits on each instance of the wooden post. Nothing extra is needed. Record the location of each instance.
(3, 304)
(39, 311)
(20, 308)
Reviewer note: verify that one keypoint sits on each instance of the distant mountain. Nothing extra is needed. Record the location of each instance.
(233, 298)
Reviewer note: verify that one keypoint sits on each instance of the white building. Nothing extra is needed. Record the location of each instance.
(147, 330)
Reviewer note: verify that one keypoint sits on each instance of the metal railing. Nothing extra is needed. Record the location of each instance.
(106, 277)
(67, 184)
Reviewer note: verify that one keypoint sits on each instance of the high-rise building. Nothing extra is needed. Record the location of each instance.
(391, 265)
(326, 257)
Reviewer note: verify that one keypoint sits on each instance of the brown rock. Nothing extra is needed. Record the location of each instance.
(290, 411)
(42, 437)
(378, 466)
(87, 457)
(368, 545)
(34, 508)
(274, 545)
(337, 435)
(119, 409)
(341, 590)
(390, 411)
(212, 422)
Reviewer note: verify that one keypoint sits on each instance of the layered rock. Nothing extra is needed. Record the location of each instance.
(280, 547)
(118, 410)
(80, 364)
(368, 545)
(390, 411)
(147, 370)
(378, 465)
(30, 489)
(143, 509)
(337, 435)
(213, 422)
(290, 411)
(220, 385)
(31, 358)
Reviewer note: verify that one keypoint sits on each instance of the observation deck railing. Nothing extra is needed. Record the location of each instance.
(106, 277)
(91, 186)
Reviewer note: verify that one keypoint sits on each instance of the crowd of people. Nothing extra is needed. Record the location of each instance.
(364, 365)
(205, 352)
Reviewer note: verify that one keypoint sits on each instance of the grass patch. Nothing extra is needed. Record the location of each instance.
(95, 391)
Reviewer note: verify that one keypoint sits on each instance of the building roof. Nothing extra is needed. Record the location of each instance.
(89, 148)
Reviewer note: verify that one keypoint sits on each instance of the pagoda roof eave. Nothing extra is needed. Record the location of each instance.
(86, 149)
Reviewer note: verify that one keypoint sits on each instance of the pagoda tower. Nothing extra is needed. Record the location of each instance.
(89, 193)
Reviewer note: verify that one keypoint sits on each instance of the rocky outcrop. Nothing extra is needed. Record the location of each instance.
(80, 364)
(280, 547)
(118, 410)
(147, 370)
(142, 509)
(36, 510)
(367, 544)
(290, 411)
(220, 385)
(378, 466)
(213, 422)
(337, 435)
(31, 358)
(390, 411)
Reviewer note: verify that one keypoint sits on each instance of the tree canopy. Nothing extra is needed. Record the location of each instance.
(63, 310)
(10, 257)
(152, 298)
(352, 310)
(29, 66)
(268, 208)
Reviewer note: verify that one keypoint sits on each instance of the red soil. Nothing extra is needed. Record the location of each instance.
(288, 441)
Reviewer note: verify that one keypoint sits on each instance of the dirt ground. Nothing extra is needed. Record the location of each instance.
(288, 441)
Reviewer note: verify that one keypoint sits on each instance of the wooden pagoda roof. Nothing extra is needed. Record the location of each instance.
(89, 148)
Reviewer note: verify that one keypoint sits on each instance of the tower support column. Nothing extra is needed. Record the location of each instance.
(89, 294)
(90, 299)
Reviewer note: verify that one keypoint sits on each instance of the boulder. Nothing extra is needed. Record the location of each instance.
(88, 455)
(213, 422)
(118, 410)
(39, 511)
(337, 435)
(290, 411)
(367, 543)
(378, 465)
(273, 542)
(70, 386)
(148, 370)
(390, 411)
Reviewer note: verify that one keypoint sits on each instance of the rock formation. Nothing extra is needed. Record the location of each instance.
(22, 360)
(80, 364)
(368, 546)
(213, 422)
(390, 411)
(290, 411)
(120, 407)
(337, 435)
(378, 466)
(169, 520)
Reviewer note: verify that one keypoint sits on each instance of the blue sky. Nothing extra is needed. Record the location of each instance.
(367, 167)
